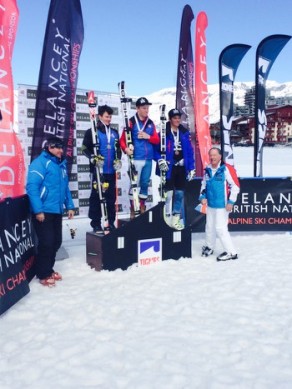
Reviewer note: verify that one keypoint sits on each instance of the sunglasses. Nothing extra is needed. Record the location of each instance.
(56, 146)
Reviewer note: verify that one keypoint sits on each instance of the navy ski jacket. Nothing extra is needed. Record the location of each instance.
(186, 146)
(110, 151)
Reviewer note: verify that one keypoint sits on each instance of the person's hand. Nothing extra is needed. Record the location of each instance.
(129, 150)
(143, 135)
(163, 165)
(191, 175)
(117, 164)
(71, 213)
(229, 207)
(97, 160)
(40, 217)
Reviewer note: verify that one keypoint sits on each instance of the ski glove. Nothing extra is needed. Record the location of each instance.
(191, 175)
(97, 160)
(163, 165)
(117, 164)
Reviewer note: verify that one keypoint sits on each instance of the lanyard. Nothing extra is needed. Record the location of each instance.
(107, 132)
(138, 125)
(176, 139)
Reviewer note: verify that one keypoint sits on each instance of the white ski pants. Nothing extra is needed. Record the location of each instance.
(217, 226)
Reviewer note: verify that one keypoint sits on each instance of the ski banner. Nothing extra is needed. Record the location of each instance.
(229, 61)
(266, 54)
(185, 72)
(12, 167)
(201, 96)
(55, 103)
(263, 204)
(17, 253)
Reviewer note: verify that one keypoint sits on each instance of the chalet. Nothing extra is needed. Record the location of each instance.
(279, 127)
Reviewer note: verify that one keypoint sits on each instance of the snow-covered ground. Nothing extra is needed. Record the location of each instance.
(186, 324)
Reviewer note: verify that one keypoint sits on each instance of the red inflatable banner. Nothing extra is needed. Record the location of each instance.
(201, 94)
(12, 168)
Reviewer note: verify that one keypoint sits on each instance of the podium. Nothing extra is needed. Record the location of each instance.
(122, 247)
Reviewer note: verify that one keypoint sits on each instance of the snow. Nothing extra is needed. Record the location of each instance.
(191, 323)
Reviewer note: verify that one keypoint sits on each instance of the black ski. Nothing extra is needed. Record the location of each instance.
(132, 169)
(162, 150)
(99, 185)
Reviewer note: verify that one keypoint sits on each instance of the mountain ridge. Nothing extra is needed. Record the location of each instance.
(167, 96)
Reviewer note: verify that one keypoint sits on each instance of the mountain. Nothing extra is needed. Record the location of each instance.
(167, 96)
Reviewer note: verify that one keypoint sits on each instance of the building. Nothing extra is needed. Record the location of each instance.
(279, 127)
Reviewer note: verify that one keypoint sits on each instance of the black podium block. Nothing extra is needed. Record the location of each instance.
(120, 248)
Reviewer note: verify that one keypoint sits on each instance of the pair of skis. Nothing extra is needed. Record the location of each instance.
(133, 175)
(162, 151)
(99, 185)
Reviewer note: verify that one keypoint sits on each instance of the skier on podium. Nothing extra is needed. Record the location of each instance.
(108, 159)
(179, 165)
(144, 136)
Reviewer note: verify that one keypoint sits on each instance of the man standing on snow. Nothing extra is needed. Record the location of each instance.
(48, 191)
(219, 190)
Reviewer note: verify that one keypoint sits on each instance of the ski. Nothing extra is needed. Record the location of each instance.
(132, 169)
(162, 150)
(99, 185)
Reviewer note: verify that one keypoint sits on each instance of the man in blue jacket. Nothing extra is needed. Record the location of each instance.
(144, 137)
(48, 191)
(179, 165)
(108, 159)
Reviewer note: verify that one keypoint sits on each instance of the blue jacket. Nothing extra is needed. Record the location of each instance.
(187, 150)
(48, 185)
(219, 186)
(143, 148)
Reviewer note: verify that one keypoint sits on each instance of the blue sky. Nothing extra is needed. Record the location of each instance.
(137, 41)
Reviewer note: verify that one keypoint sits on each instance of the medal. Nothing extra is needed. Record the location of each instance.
(176, 141)
(108, 135)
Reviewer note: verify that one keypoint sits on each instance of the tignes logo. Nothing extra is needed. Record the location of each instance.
(148, 244)
(149, 251)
